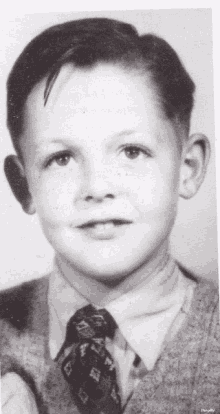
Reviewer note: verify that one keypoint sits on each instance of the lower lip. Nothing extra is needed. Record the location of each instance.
(104, 232)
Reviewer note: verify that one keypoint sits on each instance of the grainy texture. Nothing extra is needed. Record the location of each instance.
(186, 378)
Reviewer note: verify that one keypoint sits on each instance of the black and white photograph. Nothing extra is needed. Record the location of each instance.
(109, 288)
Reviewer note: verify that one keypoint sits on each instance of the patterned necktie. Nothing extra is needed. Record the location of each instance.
(87, 365)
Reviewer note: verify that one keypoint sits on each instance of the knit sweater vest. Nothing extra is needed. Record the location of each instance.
(185, 379)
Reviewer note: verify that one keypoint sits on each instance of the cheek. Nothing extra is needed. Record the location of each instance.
(54, 200)
(156, 194)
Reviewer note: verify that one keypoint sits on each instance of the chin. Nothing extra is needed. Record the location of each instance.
(108, 273)
(110, 278)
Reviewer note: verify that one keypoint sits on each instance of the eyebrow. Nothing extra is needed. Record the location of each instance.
(66, 139)
(117, 135)
(126, 132)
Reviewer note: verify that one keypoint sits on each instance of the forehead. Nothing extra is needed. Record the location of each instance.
(105, 98)
(108, 84)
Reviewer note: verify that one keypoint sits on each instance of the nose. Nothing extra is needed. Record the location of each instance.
(99, 185)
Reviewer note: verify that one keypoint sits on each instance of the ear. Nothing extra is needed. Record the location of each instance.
(15, 174)
(195, 158)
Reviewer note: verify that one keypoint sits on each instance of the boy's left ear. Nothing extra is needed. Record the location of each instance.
(195, 159)
(15, 175)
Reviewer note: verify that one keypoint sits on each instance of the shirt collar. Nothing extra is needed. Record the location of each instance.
(145, 315)
(142, 314)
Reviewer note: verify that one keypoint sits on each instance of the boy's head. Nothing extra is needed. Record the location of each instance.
(99, 117)
(88, 42)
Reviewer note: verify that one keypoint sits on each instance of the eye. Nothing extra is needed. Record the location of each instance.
(132, 152)
(61, 159)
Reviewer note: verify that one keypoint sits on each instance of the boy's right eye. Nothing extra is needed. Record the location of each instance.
(61, 159)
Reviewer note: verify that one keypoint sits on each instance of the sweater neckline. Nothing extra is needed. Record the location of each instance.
(191, 335)
(189, 340)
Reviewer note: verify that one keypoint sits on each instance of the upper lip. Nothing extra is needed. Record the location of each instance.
(116, 220)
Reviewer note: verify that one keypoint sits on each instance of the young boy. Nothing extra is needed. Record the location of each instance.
(99, 117)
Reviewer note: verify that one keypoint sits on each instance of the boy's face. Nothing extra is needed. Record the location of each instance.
(103, 167)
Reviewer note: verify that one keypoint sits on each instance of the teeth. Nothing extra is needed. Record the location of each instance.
(104, 226)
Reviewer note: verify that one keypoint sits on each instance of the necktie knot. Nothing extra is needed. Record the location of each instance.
(89, 323)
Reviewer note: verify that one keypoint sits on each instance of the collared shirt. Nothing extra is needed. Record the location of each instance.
(147, 316)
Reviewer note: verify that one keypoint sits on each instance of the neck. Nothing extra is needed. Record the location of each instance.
(102, 292)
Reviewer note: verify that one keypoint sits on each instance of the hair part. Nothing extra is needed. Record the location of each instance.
(87, 42)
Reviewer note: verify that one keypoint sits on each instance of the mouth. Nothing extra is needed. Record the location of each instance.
(104, 223)
(104, 229)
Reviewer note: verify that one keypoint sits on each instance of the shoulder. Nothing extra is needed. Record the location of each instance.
(202, 337)
(204, 314)
(206, 290)
(17, 304)
(205, 303)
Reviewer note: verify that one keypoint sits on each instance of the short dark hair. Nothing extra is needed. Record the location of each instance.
(87, 42)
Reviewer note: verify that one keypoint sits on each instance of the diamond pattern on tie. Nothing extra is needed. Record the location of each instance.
(89, 368)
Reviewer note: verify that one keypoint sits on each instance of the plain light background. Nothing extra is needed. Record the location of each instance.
(25, 252)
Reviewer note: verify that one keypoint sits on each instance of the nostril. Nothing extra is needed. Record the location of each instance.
(99, 198)
(88, 198)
